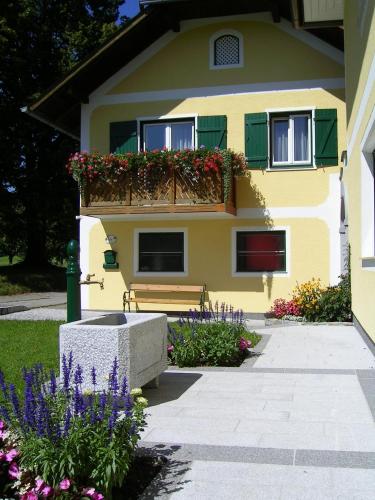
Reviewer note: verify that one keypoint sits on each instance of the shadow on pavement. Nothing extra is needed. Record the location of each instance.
(172, 386)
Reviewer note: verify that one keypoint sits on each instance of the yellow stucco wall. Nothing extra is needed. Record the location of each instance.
(267, 56)
(271, 55)
(360, 51)
(210, 261)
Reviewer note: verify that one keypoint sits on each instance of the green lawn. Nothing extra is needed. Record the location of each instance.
(4, 261)
(25, 343)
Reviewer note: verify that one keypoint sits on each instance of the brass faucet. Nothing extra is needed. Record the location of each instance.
(88, 281)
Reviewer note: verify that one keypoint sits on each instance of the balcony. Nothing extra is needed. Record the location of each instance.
(172, 192)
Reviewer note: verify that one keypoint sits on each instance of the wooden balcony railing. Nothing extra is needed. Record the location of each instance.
(174, 193)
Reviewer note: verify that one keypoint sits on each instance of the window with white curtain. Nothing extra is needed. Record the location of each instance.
(170, 135)
(291, 140)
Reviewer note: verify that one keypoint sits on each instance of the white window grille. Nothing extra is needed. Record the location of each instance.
(227, 50)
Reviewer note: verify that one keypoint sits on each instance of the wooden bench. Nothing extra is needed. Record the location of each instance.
(130, 296)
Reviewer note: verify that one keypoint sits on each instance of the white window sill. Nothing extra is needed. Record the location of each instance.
(288, 169)
(158, 274)
(276, 274)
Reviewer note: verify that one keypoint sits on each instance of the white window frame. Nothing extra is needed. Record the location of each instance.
(368, 197)
(137, 231)
(290, 117)
(191, 117)
(255, 274)
(168, 132)
(213, 39)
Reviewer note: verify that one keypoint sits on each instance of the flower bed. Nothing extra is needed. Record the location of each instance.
(59, 442)
(219, 338)
(311, 301)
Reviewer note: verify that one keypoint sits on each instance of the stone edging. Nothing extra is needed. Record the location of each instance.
(289, 322)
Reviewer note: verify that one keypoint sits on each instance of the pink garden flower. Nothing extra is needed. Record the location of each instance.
(244, 344)
(65, 484)
(11, 455)
(92, 493)
(170, 348)
(2, 434)
(2, 425)
(47, 491)
(29, 495)
(14, 471)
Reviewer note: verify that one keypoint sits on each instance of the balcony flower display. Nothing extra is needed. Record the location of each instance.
(151, 167)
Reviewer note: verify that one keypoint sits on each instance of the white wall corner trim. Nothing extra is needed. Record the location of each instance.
(85, 226)
(363, 107)
(217, 91)
(328, 211)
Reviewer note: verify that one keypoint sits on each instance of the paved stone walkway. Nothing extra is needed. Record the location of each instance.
(295, 422)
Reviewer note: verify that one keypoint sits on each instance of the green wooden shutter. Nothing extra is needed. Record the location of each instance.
(326, 137)
(123, 137)
(256, 140)
(212, 131)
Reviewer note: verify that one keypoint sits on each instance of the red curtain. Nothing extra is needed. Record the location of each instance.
(264, 250)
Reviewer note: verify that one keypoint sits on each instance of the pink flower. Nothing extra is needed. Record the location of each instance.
(14, 471)
(2, 434)
(89, 492)
(30, 495)
(11, 455)
(170, 348)
(39, 484)
(47, 491)
(2, 424)
(65, 484)
(98, 496)
(244, 344)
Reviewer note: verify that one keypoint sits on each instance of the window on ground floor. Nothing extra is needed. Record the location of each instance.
(161, 252)
(260, 251)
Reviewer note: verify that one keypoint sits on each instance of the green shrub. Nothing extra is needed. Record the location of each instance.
(216, 343)
(335, 302)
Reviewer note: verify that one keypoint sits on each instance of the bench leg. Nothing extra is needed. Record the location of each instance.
(153, 384)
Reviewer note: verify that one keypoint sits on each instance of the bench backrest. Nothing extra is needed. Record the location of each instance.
(141, 287)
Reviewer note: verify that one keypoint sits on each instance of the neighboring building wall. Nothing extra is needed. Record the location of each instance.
(280, 72)
(359, 175)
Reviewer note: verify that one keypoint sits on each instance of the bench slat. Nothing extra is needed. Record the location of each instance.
(165, 288)
(163, 301)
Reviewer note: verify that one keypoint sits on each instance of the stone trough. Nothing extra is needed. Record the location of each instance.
(138, 340)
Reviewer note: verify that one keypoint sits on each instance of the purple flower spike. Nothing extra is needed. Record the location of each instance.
(68, 419)
(53, 384)
(15, 402)
(66, 373)
(78, 375)
(124, 387)
(93, 377)
(113, 378)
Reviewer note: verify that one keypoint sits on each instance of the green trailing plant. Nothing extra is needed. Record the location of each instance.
(150, 167)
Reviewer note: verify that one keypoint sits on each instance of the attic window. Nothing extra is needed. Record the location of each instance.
(226, 50)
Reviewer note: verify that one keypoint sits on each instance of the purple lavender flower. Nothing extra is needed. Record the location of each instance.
(66, 373)
(4, 414)
(93, 377)
(78, 401)
(113, 378)
(78, 375)
(29, 407)
(124, 387)
(53, 384)
(42, 418)
(15, 403)
(102, 406)
(128, 405)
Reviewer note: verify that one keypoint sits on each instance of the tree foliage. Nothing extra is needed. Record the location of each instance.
(39, 41)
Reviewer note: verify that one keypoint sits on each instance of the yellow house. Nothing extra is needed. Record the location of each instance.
(359, 172)
(184, 74)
